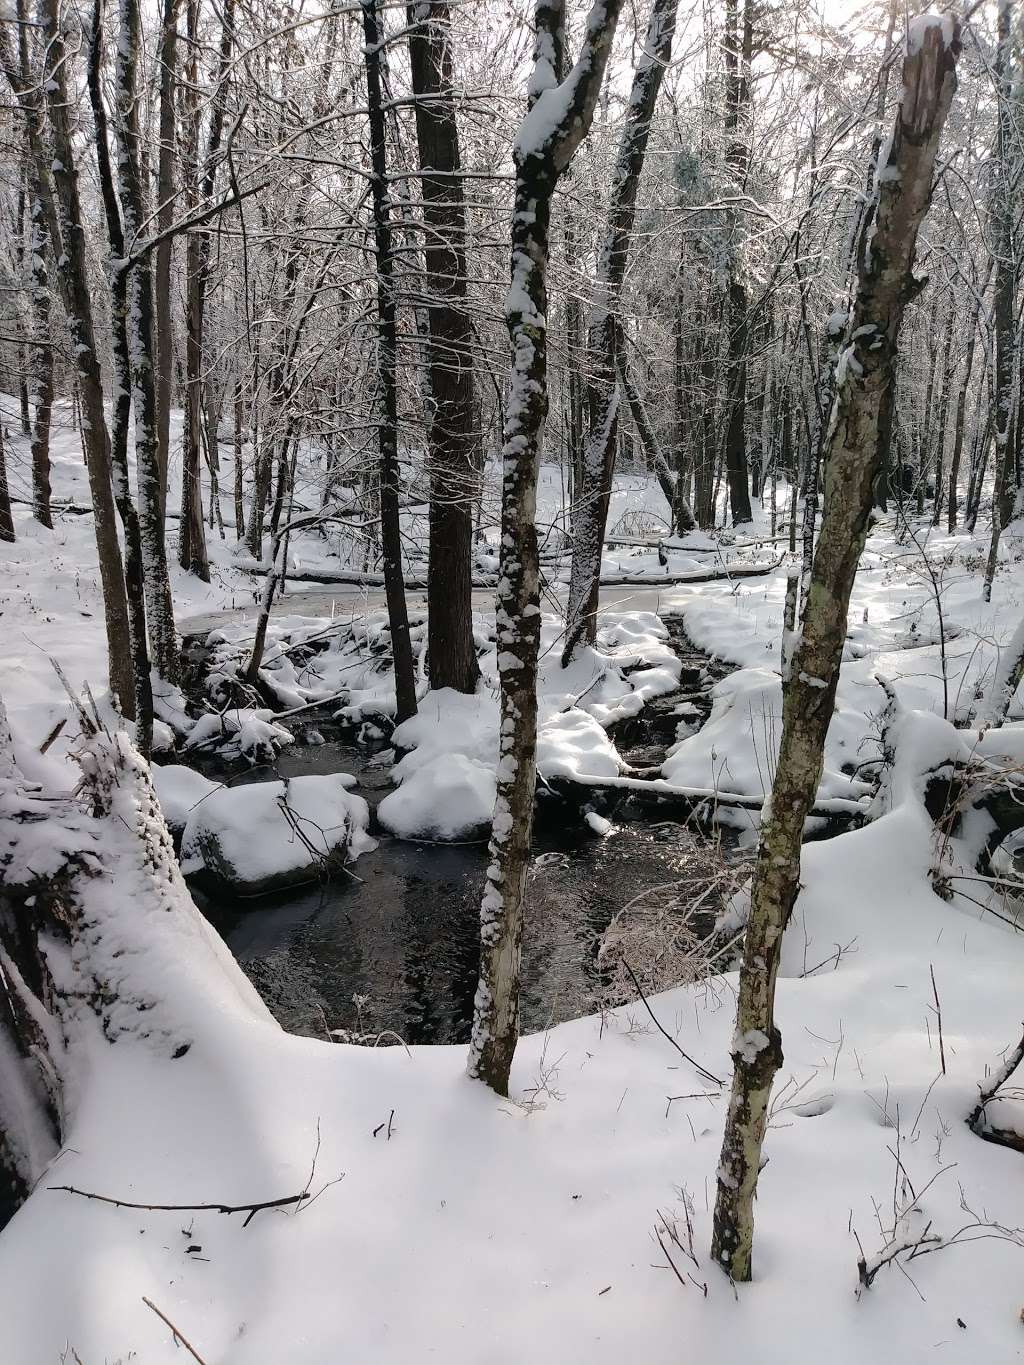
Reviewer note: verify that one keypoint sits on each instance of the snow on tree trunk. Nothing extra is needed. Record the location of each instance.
(559, 114)
(886, 284)
(451, 437)
(591, 497)
(141, 347)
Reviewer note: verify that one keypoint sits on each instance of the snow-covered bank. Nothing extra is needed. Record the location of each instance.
(538, 1214)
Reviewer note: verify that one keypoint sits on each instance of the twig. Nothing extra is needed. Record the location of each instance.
(643, 999)
(251, 1209)
(938, 1016)
(174, 1331)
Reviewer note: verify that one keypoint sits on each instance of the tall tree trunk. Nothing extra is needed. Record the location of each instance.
(122, 401)
(387, 355)
(450, 438)
(886, 283)
(141, 348)
(558, 117)
(67, 228)
(598, 468)
(167, 60)
(738, 45)
(192, 552)
(939, 433)
(41, 362)
(6, 516)
(1005, 322)
(958, 427)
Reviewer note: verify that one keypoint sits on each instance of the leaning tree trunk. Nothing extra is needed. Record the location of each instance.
(885, 285)
(591, 498)
(952, 504)
(558, 118)
(451, 435)
(68, 228)
(387, 355)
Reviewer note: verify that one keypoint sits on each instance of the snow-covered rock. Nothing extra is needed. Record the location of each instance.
(253, 839)
(451, 797)
(180, 790)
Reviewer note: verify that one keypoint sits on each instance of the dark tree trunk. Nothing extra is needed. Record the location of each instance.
(451, 653)
(387, 355)
(64, 219)
(738, 45)
(168, 58)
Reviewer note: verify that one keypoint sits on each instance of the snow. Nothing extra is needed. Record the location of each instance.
(470, 1229)
(272, 834)
(180, 790)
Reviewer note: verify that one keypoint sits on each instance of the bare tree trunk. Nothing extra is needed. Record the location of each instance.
(958, 429)
(66, 227)
(41, 363)
(1005, 324)
(141, 343)
(6, 516)
(122, 400)
(738, 47)
(886, 284)
(167, 59)
(387, 354)
(590, 514)
(237, 449)
(451, 653)
(939, 434)
(558, 118)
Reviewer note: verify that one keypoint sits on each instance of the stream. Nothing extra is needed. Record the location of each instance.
(393, 944)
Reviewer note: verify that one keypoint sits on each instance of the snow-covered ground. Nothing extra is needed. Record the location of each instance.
(450, 1225)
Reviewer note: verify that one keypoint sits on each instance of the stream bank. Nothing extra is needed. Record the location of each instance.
(393, 942)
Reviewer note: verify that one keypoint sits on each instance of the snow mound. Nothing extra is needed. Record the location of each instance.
(451, 797)
(180, 790)
(259, 838)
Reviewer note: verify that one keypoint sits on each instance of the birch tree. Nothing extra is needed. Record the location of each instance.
(886, 284)
(559, 114)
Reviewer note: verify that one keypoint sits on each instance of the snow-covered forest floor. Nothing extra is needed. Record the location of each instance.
(572, 1222)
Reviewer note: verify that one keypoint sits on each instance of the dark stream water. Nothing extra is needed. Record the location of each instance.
(403, 930)
(401, 933)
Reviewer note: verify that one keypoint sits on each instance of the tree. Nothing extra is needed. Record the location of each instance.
(64, 218)
(387, 351)
(590, 505)
(451, 432)
(885, 285)
(559, 114)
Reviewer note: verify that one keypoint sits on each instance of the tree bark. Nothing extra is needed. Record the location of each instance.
(168, 58)
(738, 46)
(387, 355)
(122, 399)
(450, 439)
(558, 117)
(885, 285)
(67, 228)
(590, 514)
(1005, 323)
